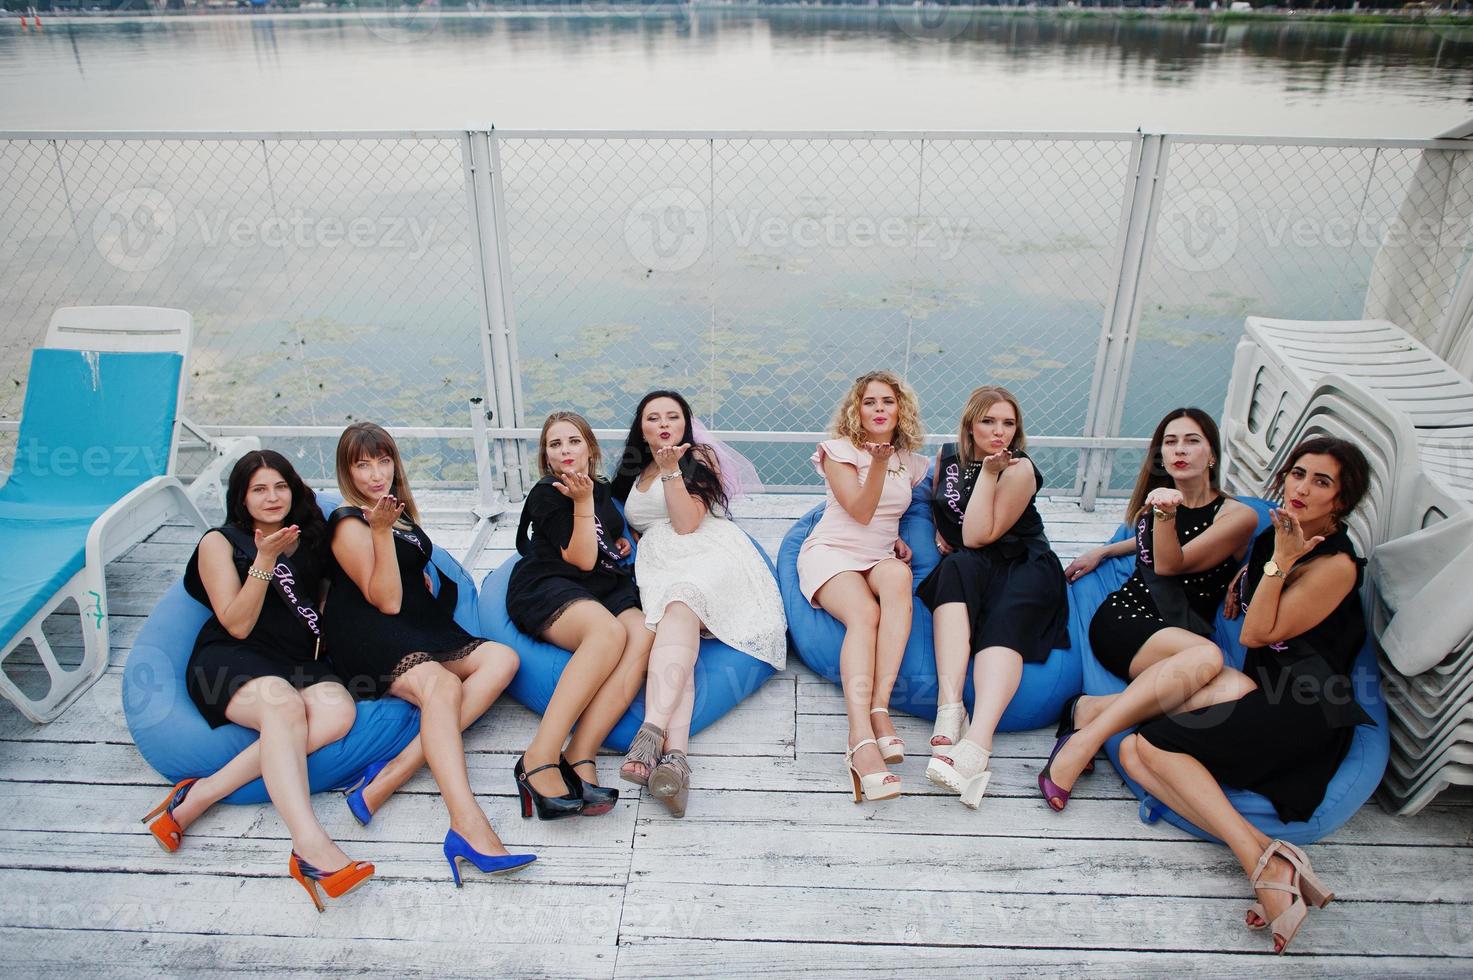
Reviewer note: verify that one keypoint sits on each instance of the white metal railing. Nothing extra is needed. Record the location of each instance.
(1103, 276)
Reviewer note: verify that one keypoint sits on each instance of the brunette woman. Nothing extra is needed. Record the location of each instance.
(699, 575)
(999, 590)
(390, 635)
(573, 588)
(1155, 631)
(257, 662)
(855, 566)
(1282, 725)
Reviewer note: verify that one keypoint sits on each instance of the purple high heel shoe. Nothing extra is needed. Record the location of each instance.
(1053, 794)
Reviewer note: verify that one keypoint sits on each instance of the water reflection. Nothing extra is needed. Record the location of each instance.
(737, 69)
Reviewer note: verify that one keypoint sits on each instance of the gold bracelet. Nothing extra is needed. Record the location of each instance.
(1161, 515)
(255, 572)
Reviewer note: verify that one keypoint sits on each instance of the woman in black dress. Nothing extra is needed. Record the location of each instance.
(391, 635)
(1155, 631)
(573, 589)
(998, 591)
(256, 663)
(1282, 725)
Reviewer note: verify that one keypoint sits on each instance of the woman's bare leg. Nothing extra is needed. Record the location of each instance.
(891, 583)
(996, 676)
(614, 698)
(672, 669)
(483, 675)
(597, 640)
(330, 715)
(847, 597)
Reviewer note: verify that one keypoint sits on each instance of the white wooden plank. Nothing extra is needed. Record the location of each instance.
(493, 909)
(67, 953)
(993, 919)
(677, 959)
(754, 854)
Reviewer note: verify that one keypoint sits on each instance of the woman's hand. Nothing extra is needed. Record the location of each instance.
(942, 546)
(1289, 543)
(667, 458)
(1164, 499)
(382, 515)
(577, 487)
(622, 546)
(1230, 607)
(999, 461)
(269, 547)
(1083, 565)
(902, 551)
(880, 452)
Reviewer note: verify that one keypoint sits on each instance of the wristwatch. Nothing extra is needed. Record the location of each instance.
(1271, 567)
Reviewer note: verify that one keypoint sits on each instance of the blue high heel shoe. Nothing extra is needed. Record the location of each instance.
(354, 792)
(457, 850)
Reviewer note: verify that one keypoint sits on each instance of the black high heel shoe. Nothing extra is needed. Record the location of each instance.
(597, 800)
(548, 807)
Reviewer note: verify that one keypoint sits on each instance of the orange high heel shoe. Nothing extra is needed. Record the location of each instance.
(166, 829)
(337, 883)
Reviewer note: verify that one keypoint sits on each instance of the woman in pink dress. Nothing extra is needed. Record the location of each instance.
(855, 567)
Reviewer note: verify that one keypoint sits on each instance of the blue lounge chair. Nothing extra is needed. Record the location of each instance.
(97, 441)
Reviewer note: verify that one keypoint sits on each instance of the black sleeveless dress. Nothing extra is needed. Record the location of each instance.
(1287, 739)
(542, 584)
(374, 649)
(1014, 588)
(1131, 615)
(279, 645)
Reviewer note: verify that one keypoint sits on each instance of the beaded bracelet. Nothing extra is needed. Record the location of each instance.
(255, 572)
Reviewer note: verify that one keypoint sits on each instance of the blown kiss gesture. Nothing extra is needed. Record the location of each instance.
(382, 515)
(667, 458)
(271, 546)
(1289, 541)
(577, 487)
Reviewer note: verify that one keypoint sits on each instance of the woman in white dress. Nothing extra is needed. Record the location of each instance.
(697, 572)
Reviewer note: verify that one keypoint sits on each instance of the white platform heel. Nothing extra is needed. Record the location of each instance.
(951, 721)
(892, 747)
(876, 785)
(964, 771)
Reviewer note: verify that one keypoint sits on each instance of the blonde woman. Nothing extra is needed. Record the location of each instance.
(573, 589)
(998, 592)
(854, 565)
(390, 635)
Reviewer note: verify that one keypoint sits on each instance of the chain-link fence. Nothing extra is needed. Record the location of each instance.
(394, 276)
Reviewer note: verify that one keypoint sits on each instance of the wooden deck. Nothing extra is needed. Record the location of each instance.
(774, 870)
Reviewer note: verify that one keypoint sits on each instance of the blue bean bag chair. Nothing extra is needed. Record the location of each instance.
(724, 676)
(176, 740)
(1352, 785)
(817, 636)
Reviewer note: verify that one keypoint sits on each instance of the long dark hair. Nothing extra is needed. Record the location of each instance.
(304, 512)
(697, 465)
(1153, 468)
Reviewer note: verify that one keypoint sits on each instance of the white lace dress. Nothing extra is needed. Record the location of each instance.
(716, 570)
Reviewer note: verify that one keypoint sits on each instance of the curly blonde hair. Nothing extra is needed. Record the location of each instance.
(908, 435)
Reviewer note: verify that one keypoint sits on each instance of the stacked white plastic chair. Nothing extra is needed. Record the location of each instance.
(1369, 381)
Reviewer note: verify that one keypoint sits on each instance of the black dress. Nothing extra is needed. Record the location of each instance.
(1132, 614)
(1286, 739)
(372, 649)
(281, 644)
(1014, 588)
(542, 584)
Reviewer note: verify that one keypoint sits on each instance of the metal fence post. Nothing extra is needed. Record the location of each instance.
(1122, 313)
(498, 335)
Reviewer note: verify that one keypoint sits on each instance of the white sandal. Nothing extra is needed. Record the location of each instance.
(964, 771)
(951, 721)
(875, 785)
(892, 747)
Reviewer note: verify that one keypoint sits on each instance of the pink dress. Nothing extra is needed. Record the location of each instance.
(839, 543)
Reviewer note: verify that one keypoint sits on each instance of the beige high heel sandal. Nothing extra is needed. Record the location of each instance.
(964, 771)
(892, 747)
(1315, 893)
(1286, 925)
(951, 721)
(875, 785)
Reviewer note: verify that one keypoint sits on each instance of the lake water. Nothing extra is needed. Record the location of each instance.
(762, 323)
(776, 69)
